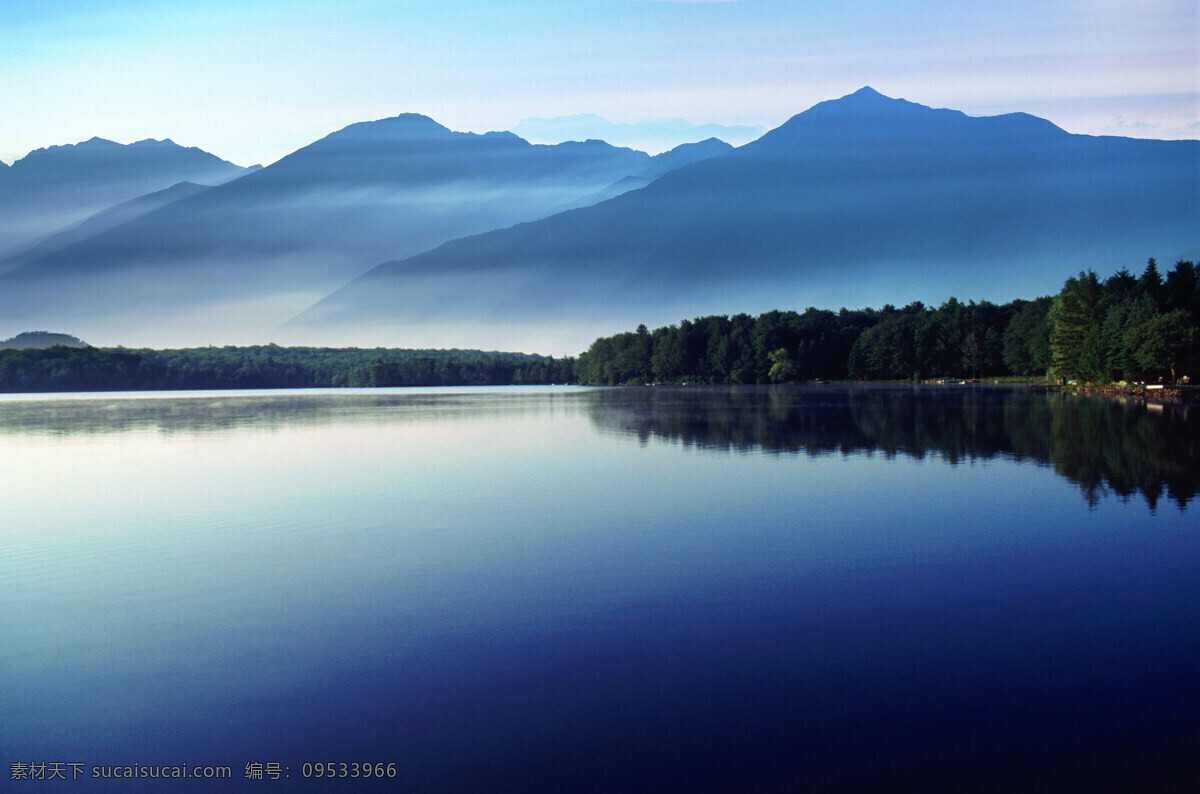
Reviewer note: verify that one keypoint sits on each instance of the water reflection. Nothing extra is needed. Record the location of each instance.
(504, 590)
(1105, 446)
(205, 412)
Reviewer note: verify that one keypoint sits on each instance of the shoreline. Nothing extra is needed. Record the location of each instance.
(1154, 392)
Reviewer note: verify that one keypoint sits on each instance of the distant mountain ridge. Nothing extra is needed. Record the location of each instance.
(857, 201)
(651, 135)
(274, 241)
(56, 187)
(489, 240)
(659, 164)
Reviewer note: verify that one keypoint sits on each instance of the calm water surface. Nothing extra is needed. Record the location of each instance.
(604, 590)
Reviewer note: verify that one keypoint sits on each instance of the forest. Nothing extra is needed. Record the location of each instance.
(1126, 327)
(60, 369)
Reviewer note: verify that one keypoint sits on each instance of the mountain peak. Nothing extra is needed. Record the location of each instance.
(869, 117)
(867, 92)
(411, 119)
(74, 152)
(710, 147)
(403, 126)
(97, 145)
(867, 99)
(147, 143)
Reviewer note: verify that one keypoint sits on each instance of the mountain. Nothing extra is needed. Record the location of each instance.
(659, 164)
(684, 154)
(251, 253)
(51, 189)
(106, 219)
(862, 200)
(654, 136)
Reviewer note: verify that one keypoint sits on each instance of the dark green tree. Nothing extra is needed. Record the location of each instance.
(1075, 344)
(1163, 342)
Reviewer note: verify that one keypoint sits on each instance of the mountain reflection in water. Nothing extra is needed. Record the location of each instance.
(1106, 446)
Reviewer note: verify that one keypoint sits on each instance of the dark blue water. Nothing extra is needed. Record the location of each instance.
(608, 590)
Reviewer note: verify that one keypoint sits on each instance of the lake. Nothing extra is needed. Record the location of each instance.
(565, 589)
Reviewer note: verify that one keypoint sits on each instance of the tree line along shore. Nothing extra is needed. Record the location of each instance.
(1126, 328)
(65, 369)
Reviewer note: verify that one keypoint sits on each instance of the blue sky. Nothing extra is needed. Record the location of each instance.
(252, 80)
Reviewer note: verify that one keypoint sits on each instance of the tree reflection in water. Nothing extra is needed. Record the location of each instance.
(1107, 447)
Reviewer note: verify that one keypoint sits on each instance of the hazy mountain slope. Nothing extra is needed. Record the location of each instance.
(250, 254)
(659, 164)
(860, 200)
(685, 154)
(53, 188)
(102, 221)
